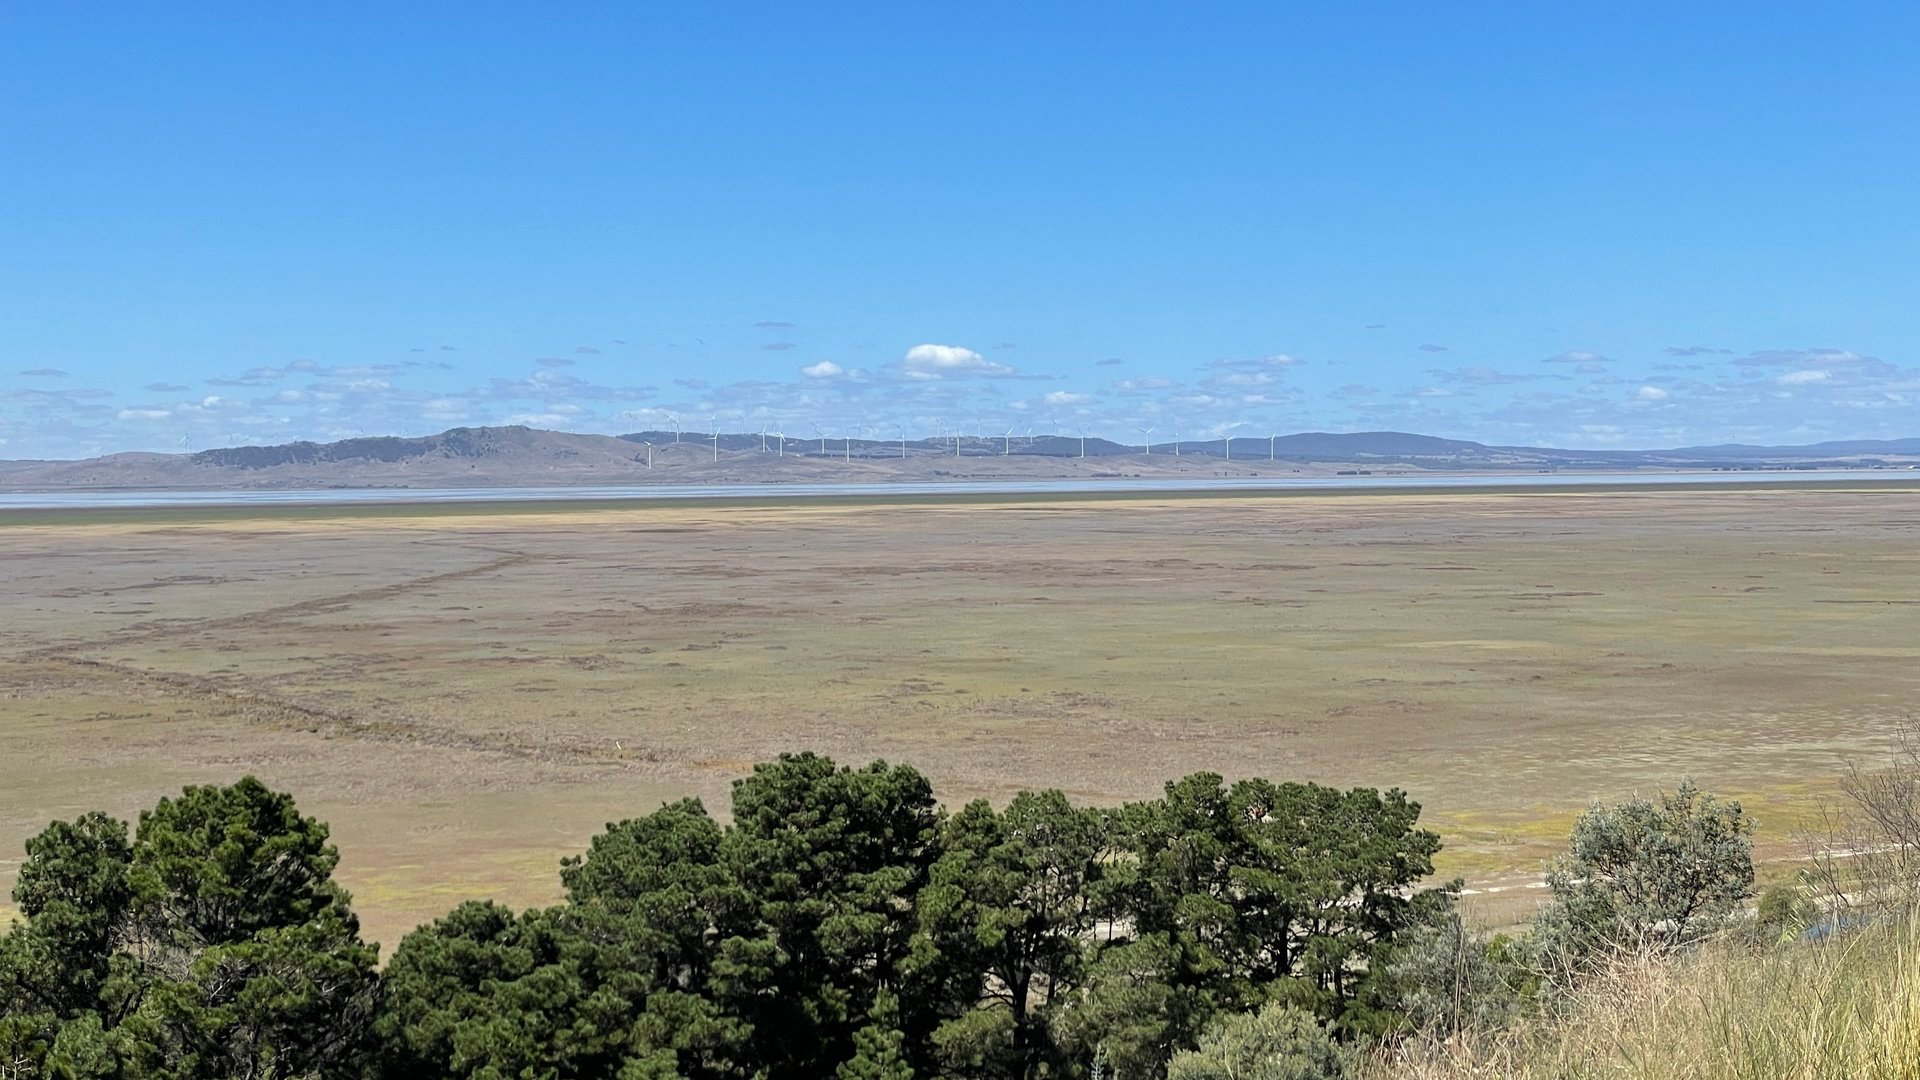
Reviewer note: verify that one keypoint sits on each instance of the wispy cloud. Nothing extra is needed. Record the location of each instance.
(1689, 394)
(1479, 375)
(1802, 378)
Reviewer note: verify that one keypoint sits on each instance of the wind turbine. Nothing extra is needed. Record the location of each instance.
(902, 428)
(675, 421)
(649, 447)
(823, 438)
(763, 438)
(1270, 439)
(1147, 433)
(1007, 447)
(1176, 440)
(1083, 442)
(849, 445)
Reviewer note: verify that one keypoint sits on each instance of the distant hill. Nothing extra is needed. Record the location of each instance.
(524, 457)
(453, 444)
(1853, 448)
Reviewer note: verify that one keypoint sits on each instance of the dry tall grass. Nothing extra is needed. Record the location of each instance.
(1847, 1007)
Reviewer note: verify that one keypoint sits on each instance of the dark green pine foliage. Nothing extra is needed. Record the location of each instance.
(616, 982)
(215, 945)
(833, 860)
(74, 893)
(879, 1054)
(841, 927)
(1253, 893)
(1013, 903)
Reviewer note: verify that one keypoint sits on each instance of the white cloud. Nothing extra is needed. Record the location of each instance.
(144, 414)
(1243, 378)
(1062, 397)
(1801, 378)
(941, 360)
(1145, 382)
(825, 369)
(1651, 393)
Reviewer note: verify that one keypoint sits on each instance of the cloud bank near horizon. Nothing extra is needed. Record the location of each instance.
(1578, 398)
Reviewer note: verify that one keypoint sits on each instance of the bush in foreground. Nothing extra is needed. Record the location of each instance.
(1644, 876)
(1279, 1042)
(1845, 1007)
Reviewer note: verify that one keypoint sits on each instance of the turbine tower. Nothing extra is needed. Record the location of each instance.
(1147, 433)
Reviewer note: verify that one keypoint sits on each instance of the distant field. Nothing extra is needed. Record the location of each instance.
(467, 694)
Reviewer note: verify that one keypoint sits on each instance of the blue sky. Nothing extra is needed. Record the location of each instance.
(1616, 225)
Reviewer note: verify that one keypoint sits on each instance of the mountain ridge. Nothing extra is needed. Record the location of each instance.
(517, 455)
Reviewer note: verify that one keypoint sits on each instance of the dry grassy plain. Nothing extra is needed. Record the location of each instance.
(468, 693)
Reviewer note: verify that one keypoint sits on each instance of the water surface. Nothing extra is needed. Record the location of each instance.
(79, 500)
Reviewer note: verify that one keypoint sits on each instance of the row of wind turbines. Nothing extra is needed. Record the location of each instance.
(945, 438)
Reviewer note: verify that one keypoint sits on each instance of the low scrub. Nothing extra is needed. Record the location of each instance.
(1843, 1005)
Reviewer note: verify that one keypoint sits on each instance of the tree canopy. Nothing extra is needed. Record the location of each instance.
(214, 945)
(841, 925)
